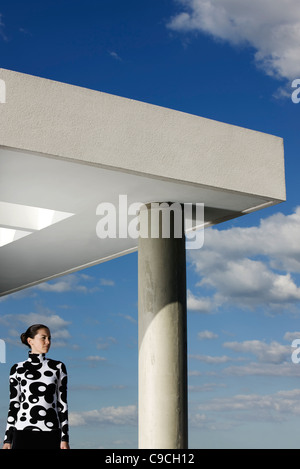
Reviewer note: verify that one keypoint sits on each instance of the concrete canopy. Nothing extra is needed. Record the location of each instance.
(65, 149)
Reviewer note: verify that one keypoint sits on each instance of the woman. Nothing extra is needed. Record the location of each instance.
(38, 410)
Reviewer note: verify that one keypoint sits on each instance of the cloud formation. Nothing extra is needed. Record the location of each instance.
(95, 358)
(252, 267)
(18, 323)
(123, 415)
(71, 282)
(201, 305)
(271, 28)
(224, 413)
(209, 335)
(281, 402)
(268, 353)
(212, 360)
(264, 369)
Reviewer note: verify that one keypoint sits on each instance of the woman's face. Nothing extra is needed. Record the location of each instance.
(41, 341)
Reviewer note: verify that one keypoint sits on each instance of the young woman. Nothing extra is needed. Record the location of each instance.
(38, 409)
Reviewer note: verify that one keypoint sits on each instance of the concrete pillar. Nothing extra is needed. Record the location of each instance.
(162, 335)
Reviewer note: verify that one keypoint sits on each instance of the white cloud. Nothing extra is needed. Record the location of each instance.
(115, 56)
(207, 335)
(269, 353)
(127, 317)
(103, 344)
(71, 282)
(264, 369)
(211, 359)
(62, 334)
(275, 406)
(59, 286)
(251, 267)
(290, 336)
(95, 358)
(126, 415)
(57, 325)
(271, 27)
(54, 322)
(202, 305)
(107, 282)
(75, 282)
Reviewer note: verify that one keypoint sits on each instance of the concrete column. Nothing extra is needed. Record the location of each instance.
(162, 335)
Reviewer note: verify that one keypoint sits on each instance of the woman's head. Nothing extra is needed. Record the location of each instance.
(37, 337)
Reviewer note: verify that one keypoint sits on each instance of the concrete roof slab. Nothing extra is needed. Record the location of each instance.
(64, 150)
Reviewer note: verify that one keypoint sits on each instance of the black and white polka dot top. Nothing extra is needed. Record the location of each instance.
(38, 396)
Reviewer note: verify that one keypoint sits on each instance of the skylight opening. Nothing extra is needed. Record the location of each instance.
(17, 221)
(8, 235)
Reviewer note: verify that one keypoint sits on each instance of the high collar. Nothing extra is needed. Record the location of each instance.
(36, 358)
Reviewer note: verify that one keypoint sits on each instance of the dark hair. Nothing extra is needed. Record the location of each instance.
(31, 333)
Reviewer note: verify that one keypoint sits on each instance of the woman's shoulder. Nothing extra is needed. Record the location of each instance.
(17, 366)
(56, 364)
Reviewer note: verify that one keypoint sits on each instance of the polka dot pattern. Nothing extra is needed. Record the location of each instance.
(38, 396)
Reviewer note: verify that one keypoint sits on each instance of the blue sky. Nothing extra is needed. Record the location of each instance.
(232, 61)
